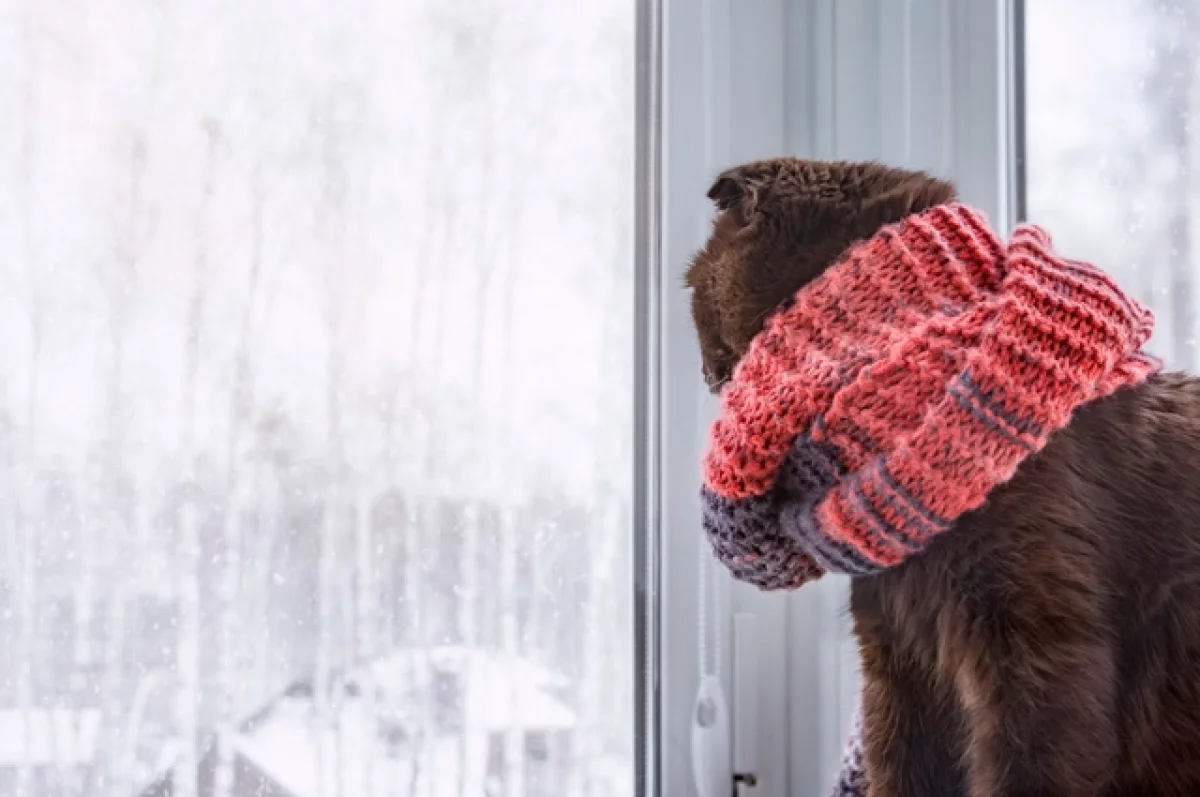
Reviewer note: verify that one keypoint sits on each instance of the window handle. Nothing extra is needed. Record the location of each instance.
(711, 759)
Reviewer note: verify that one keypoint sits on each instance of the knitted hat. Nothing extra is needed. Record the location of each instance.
(941, 261)
(941, 406)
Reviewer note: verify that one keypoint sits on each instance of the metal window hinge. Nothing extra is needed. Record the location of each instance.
(744, 779)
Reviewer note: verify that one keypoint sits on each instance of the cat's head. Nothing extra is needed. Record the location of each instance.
(780, 223)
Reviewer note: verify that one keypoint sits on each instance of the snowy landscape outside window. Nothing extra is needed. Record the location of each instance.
(1111, 91)
(316, 324)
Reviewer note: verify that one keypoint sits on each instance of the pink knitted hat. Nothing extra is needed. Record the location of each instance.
(901, 387)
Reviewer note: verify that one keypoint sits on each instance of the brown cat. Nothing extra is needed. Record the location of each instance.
(1049, 643)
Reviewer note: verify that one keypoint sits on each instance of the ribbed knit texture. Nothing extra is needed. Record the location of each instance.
(852, 777)
(900, 388)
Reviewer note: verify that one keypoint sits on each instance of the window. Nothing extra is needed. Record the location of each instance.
(919, 83)
(1111, 148)
(317, 329)
(351, 411)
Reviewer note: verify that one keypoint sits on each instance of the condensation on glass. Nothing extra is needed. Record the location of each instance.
(315, 424)
(1112, 170)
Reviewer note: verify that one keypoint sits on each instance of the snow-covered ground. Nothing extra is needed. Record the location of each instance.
(351, 756)
(49, 737)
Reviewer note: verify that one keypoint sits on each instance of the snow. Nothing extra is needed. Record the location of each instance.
(287, 751)
(347, 753)
(43, 737)
(316, 328)
(501, 692)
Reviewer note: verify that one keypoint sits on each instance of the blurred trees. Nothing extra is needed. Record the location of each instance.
(317, 331)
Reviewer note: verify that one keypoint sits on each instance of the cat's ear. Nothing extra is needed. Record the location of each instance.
(737, 189)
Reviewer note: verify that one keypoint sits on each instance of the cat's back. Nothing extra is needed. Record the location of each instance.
(1142, 446)
(1110, 509)
(1111, 505)
(1130, 465)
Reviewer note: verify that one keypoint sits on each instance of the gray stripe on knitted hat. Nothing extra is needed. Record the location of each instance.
(799, 522)
(885, 491)
(809, 469)
(885, 529)
(993, 405)
(933, 518)
(745, 537)
(882, 531)
(733, 526)
(969, 401)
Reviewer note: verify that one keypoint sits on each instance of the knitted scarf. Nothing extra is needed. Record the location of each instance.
(902, 386)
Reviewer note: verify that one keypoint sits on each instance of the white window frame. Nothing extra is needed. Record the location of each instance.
(918, 83)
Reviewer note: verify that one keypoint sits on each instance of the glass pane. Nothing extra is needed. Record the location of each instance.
(316, 325)
(1111, 87)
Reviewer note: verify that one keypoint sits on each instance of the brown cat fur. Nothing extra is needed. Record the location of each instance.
(1049, 644)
